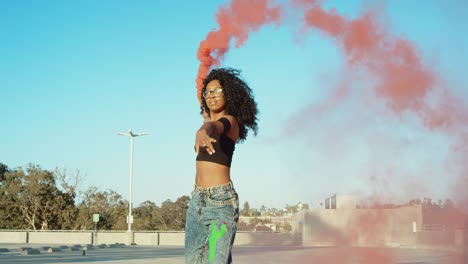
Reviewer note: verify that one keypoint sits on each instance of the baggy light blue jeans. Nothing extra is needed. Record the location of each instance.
(210, 226)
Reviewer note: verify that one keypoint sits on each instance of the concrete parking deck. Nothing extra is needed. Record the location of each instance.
(242, 254)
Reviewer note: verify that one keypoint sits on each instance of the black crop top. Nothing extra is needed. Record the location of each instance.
(224, 147)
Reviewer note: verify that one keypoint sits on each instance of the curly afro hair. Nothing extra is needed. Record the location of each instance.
(239, 99)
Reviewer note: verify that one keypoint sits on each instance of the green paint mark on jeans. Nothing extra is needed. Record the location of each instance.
(215, 235)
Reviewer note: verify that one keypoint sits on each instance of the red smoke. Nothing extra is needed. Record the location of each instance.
(402, 80)
(393, 64)
(235, 21)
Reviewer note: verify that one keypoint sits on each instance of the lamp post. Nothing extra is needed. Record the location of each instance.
(131, 135)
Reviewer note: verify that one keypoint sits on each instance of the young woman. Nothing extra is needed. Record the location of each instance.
(229, 111)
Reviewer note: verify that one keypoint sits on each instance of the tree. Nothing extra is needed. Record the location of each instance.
(427, 203)
(9, 214)
(254, 212)
(448, 204)
(245, 210)
(146, 216)
(3, 171)
(69, 184)
(33, 198)
(263, 210)
(172, 215)
(291, 208)
(181, 212)
(110, 206)
(273, 212)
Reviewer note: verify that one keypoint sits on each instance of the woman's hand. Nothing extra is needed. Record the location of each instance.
(202, 139)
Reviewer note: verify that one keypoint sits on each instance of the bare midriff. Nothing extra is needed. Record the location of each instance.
(211, 174)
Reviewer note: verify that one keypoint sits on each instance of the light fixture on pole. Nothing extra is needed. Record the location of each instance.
(131, 135)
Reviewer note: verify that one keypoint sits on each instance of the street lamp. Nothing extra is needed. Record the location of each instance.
(131, 135)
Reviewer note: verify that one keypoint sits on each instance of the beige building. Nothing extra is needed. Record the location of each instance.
(341, 201)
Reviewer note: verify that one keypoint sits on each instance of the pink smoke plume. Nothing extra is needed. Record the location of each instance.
(401, 79)
(236, 21)
(394, 65)
(403, 82)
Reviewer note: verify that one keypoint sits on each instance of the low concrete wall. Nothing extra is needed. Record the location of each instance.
(146, 238)
(436, 239)
(60, 237)
(172, 239)
(140, 238)
(265, 238)
(13, 237)
(113, 237)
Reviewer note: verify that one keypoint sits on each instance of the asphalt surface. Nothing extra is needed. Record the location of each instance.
(114, 254)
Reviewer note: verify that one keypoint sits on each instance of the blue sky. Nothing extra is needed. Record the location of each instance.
(75, 73)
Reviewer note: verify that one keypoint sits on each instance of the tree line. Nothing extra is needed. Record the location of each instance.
(32, 198)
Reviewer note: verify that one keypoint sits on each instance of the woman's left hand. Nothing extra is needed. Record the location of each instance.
(202, 139)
